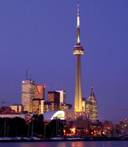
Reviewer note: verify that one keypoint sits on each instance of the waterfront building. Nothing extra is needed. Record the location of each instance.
(62, 96)
(38, 106)
(12, 115)
(65, 106)
(48, 106)
(50, 115)
(27, 94)
(54, 100)
(54, 97)
(40, 91)
(38, 100)
(18, 108)
(91, 106)
(32, 97)
(83, 104)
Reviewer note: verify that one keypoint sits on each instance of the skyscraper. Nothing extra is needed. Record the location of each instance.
(62, 96)
(91, 106)
(33, 96)
(28, 92)
(78, 51)
(38, 100)
(54, 100)
(40, 91)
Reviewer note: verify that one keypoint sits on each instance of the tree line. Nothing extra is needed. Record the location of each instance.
(36, 127)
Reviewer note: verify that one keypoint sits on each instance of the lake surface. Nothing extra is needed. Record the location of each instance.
(68, 144)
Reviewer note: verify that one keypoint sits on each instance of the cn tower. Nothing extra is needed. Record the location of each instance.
(78, 51)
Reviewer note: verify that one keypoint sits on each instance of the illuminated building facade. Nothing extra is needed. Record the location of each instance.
(91, 106)
(54, 97)
(54, 100)
(32, 97)
(18, 108)
(38, 100)
(54, 115)
(28, 92)
(38, 106)
(83, 105)
(39, 91)
(62, 96)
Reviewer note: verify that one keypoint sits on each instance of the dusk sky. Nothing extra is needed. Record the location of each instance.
(39, 35)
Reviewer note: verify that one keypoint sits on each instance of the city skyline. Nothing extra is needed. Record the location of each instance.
(39, 36)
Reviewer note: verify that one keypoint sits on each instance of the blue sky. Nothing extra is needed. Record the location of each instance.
(39, 35)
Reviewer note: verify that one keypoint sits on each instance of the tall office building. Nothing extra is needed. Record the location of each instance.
(91, 106)
(78, 51)
(32, 97)
(38, 106)
(53, 100)
(28, 93)
(62, 96)
(56, 101)
(38, 100)
(39, 91)
(54, 96)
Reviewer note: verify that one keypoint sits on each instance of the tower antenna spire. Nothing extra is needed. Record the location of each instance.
(28, 75)
(78, 23)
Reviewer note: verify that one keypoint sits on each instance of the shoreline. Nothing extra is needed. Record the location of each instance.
(56, 139)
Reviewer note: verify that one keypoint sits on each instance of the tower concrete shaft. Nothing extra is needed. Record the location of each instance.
(78, 51)
(78, 90)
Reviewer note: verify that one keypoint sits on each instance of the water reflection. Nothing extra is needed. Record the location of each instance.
(62, 144)
(69, 144)
(28, 144)
(78, 144)
(91, 144)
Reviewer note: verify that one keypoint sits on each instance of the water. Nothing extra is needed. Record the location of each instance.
(68, 144)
